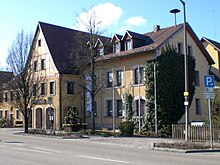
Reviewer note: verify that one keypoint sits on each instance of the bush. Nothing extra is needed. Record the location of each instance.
(127, 128)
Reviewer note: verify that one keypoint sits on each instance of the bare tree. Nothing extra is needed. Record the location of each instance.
(24, 81)
(87, 55)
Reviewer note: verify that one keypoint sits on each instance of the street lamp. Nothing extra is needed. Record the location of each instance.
(186, 93)
(175, 11)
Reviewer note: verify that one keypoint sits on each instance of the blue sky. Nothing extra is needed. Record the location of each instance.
(116, 16)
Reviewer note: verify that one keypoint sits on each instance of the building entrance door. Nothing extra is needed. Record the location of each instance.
(39, 118)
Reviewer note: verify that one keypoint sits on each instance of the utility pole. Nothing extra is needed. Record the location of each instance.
(186, 93)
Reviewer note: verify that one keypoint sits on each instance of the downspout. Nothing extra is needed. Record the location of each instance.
(60, 100)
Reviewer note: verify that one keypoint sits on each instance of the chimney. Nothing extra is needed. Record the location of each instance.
(156, 28)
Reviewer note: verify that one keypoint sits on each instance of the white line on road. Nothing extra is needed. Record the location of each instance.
(103, 159)
(50, 150)
(44, 152)
(2, 146)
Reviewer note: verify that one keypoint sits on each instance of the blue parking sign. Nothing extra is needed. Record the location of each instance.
(209, 81)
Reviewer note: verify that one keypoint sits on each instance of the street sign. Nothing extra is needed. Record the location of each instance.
(209, 90)
(50, 100)
(209, 81)
(186, 93)
(209, 95)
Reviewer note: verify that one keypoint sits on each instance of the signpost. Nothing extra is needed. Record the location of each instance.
(50, 101)
(209, 83)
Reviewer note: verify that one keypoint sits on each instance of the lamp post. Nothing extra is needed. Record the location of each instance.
(175, 11)
(186, 93)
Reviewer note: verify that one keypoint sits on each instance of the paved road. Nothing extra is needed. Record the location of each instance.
(32, 150)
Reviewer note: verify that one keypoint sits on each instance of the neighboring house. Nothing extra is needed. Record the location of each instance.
(213, 48)
(7, 111)
(50, 58)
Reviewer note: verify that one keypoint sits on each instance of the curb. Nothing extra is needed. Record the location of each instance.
(187, 151)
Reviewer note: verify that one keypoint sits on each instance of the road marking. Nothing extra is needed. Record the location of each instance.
(45, 149)
(44, 152)
(103, 159)
(2, 146)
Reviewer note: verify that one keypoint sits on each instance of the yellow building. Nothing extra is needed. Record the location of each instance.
(118, 71)
(131, 51)
(213, 48)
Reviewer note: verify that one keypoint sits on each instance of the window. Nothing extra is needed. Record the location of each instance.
(101, 51)
(1, 97)
(197, 78)
(116, 48)
(109, 79)
(118, 77)
(109, 107)
(6, 114)
(128, 45)
(70, 87)
(119, 107)
(198, 107)
(11, 96)
(142, 106)
(43, 64)
(6, 96)
(35, 66)
(17, 114)
(43, 89)
(34, 90)
(180, 48)
(52, 87)
(190, 51)
(137, 74)
(0, 114)
(39, 43)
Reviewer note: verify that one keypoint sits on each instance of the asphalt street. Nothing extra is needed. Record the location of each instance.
(40, 150)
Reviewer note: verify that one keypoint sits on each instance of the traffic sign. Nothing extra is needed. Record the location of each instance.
(209, 90)
(209, 95)
(50, 100)
(209, 81)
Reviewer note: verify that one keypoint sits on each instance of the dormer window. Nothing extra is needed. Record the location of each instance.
(116, 47)
(101, 51)
(128, 45)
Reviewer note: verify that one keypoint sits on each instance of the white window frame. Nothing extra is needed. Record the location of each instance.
(54, 88)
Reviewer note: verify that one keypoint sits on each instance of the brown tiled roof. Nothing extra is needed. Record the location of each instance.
(213, 43)
(5, 77)
(158, 38)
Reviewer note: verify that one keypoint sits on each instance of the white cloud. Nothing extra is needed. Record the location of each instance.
(107, 14)
(136, 21)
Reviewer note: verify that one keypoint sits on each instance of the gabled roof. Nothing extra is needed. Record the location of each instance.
(215, 44)
(61, 41)
(157, 39)
(117, 37)
(134, 35)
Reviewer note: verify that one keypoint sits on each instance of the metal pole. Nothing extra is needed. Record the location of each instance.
(50, 117)
(113, 100)
(185, 70)
(139, 99)
(125, 96)
(155, 98)
(210, 124)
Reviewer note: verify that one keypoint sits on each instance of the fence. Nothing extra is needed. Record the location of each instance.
(196, 133)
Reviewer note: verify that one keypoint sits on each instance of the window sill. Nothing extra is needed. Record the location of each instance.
(135, 85)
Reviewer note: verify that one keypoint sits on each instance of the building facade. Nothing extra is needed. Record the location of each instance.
(121, 73)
